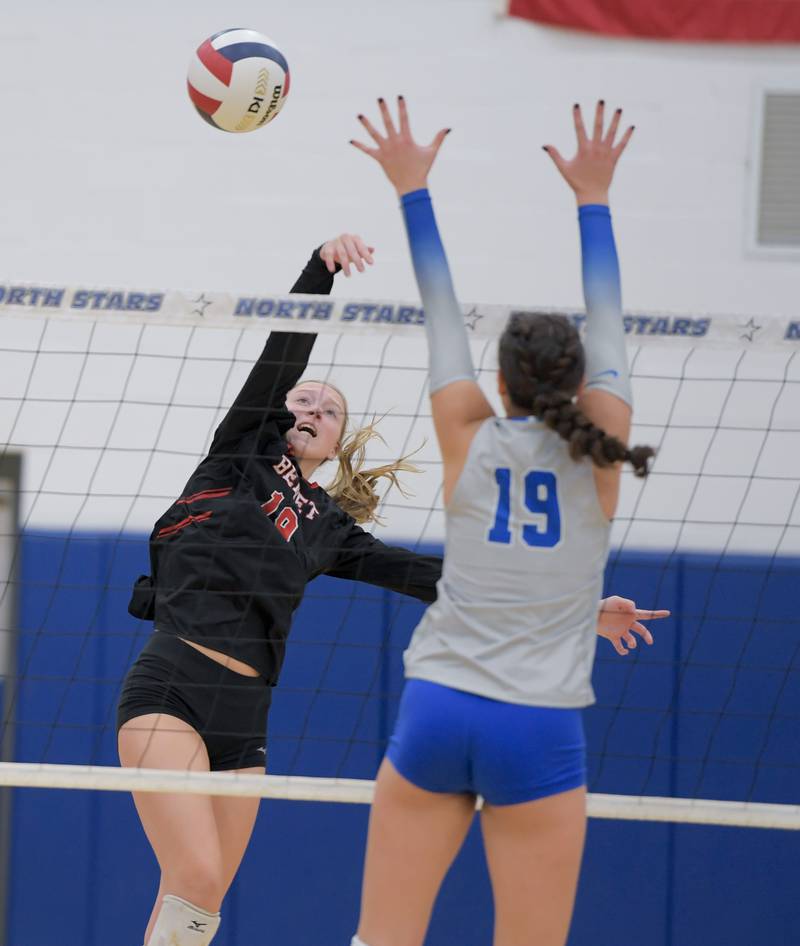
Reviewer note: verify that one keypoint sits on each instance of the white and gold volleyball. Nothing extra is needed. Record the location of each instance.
(238, 80)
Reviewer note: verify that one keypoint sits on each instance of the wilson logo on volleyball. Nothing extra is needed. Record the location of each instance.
(238, 80)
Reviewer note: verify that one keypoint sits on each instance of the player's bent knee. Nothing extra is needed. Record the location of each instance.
(181, 923)
(198, 881)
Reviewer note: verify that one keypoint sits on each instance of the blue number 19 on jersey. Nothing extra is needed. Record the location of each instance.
(541, 498)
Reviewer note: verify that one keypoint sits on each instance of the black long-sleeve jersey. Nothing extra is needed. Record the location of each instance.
(231, 557)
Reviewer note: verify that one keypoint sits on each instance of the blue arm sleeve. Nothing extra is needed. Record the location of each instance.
(604, 339)
(449, 356)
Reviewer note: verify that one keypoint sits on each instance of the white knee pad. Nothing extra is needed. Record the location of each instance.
(355, 941)
(181, 923)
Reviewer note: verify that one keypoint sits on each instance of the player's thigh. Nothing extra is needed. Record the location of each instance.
(413, 837)
(181, 828)
(161, 741)
(534, 852)
(235, 819)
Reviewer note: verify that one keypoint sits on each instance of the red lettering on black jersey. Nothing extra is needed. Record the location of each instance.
(287, 471)
(286, 522)
(272, 504)
(283, 466)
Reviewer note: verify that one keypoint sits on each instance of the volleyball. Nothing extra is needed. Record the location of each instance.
(238, 80)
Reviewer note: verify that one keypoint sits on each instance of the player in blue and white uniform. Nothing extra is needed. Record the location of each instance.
(499, 668)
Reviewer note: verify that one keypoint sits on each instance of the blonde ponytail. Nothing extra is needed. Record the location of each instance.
(353, 488)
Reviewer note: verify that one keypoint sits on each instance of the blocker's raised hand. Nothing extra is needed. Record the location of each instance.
(619, 619)
(404, 162)
(347, 250)
(591, 171)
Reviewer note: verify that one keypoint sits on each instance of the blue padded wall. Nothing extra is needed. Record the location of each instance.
(712, 709)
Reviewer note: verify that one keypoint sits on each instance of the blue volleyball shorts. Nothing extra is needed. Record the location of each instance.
(446, 740)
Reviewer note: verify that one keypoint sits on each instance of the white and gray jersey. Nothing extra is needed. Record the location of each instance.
(516, 613)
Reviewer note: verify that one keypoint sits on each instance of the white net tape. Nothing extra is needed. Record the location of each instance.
(360, 792)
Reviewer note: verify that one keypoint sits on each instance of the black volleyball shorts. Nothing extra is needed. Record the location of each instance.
(227, 709)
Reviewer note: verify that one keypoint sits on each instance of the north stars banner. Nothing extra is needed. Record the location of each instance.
(302, 313)
(739, 21)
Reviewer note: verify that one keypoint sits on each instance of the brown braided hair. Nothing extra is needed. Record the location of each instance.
(542, 361)
(354, 489)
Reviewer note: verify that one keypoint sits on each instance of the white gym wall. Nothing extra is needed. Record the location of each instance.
(109, 178)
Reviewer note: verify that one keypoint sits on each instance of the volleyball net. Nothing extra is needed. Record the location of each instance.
(108, 401)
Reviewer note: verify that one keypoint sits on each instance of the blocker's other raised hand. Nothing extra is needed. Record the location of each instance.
(591, 171)
(404, 162)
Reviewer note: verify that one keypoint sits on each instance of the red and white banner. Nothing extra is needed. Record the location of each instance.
(730, 21)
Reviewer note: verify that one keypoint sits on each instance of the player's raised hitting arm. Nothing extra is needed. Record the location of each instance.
(458, 404)
(286, 354)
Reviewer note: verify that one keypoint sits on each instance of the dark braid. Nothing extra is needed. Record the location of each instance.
(542, 361)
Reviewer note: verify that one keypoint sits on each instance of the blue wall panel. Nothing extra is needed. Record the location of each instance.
(711, 709)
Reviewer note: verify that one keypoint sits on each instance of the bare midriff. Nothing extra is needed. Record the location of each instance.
(230, 662)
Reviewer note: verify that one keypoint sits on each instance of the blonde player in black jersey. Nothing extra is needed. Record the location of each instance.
(231, 559)
(500, 665)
